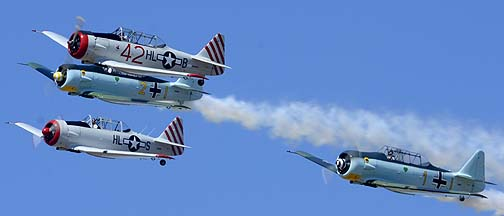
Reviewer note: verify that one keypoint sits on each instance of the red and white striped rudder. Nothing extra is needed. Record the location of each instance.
(174, 132)
(215, 50)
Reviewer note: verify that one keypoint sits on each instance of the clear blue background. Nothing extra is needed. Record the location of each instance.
(428, 57)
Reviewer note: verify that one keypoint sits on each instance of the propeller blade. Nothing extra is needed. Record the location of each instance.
(78, 26)
(36, 141)
(326, 175)
(55, 37)
(80, 22)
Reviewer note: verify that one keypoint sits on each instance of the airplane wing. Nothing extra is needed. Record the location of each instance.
(316, 160)
(116, 153)
(35, 131)
(55, 37)
(40, 68)
(409, 190)
(128, 101)
(140, 70)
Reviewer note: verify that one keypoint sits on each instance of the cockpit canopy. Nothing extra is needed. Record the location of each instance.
(106, 124)
(137, 37)
(396, 155)
(401, 155)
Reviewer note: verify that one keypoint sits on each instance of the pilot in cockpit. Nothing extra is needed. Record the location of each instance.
(95, 123)
(390, 155)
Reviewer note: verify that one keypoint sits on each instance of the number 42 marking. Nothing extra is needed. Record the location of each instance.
(127, 53)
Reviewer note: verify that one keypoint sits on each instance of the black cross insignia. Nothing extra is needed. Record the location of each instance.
(439, 181)
(155, 90)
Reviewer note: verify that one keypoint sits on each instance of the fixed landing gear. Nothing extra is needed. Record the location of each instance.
(461, 198)
(162, 162)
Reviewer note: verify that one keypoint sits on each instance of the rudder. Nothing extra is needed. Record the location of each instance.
(215, 51)
(174, 132)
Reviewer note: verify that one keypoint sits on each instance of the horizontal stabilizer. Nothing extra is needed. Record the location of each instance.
(188, 88)
(490, 183)
(162, 141)
(208, 61)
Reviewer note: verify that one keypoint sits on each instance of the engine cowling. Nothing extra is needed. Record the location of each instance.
(55, 133)
(343, 163)
(67, 80)
(51, 132)
(78, 44)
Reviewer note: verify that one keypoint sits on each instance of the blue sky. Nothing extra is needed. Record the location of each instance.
(439, 60)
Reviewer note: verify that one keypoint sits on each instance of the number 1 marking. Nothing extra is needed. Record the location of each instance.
(424, 177)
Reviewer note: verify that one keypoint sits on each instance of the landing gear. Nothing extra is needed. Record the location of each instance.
(162, 162)
(461, 198)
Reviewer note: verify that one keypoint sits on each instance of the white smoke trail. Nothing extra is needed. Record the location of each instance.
(448, 143)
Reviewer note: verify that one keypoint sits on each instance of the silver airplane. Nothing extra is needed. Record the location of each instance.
(90, 81)
(405, 172)
(140, 53)
(106, 138)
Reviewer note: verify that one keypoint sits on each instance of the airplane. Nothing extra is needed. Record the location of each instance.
(107, 138)
(404, 172)
(91, 81)
(141, 53)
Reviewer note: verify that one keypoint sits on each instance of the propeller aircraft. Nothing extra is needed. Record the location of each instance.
(141, 53)
(107, 84)
(404, 172)
(106, 138)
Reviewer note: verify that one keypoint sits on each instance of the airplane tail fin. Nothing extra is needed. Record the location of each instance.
(213, 53)
(474, 168)
(174, 133)
(191, 84)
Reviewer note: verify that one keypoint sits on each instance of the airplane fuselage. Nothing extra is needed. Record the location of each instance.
(404, 177)
(130, 90)
(98, 49)
(71, 136)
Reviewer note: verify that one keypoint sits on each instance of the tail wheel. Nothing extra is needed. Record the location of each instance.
(162, 162)
(462, 198)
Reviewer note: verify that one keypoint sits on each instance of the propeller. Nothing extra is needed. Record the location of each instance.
(41, 120)
(74, 41)
(327, 175)
(36, 141)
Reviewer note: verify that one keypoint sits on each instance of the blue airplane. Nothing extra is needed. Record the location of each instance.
(114, 86)
(405, 172)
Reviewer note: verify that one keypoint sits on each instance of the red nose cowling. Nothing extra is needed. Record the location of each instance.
(78, 44)
(51, 132)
